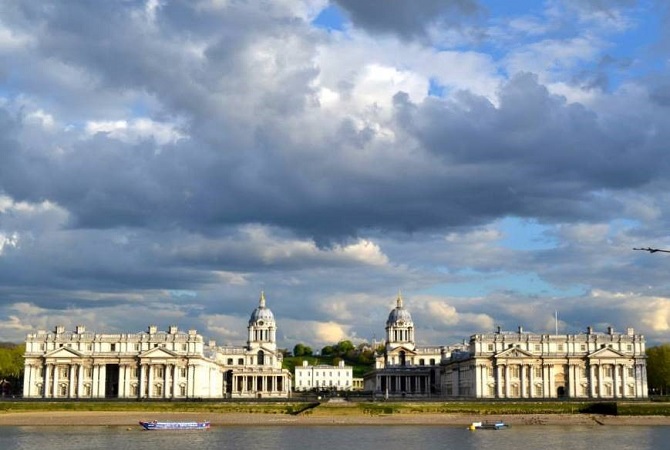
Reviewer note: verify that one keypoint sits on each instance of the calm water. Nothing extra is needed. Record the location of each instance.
(337, 437)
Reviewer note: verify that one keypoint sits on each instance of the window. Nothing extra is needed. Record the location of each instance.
(432, 361)
(514, 371)
(240, 361)
(133, 390)
(89, 347)
(422, 362)
(183, 347)
(64, 372)
(158, 390)
(607, 371)
(88, 372)
(537, 372)
(490, 347)
(62, 390)
(631, 372)
(538, 390)
(112, 347)
(134, 372)
(137, 347)
(182, 391)
(560, 347)
(582, 347)
(629, 347)
(182, 371)
(538, 347)
(490, 371)
(158, 372)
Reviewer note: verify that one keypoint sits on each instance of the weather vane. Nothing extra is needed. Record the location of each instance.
(652, 250)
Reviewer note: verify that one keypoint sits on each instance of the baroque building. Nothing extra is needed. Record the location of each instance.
(514, 365)
(405, 369)
(155, 364)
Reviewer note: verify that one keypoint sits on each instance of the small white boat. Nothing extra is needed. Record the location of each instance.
(154, 425)
(498, 425)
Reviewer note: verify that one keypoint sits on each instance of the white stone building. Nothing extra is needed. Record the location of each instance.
(404, 369)
(323, 377)
(154, 364)
(527, 365)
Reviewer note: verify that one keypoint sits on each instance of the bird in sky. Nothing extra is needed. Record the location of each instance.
(652, 250)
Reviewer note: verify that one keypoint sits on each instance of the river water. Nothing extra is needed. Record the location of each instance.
(337, 437)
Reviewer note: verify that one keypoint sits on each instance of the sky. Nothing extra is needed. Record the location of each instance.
(495, 162)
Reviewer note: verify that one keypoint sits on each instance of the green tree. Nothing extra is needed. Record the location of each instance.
(302, 350)
(658, 368)
(343, 347)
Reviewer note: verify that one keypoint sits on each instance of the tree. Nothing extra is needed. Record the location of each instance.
(302, 350)
(658, 368)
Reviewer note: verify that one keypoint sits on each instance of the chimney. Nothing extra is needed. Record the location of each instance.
(610, 330)
(498, 330)
(589, 330)
(59, 329)
(79, 329)
(153, 329)
(520, 329)
(172, 329)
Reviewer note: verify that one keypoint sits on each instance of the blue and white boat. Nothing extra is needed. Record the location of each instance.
(498, 425)
(155, 425)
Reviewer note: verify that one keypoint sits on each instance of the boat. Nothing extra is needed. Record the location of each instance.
(498, 425)
(154, 425)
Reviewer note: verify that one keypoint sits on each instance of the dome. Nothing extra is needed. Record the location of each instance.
(261, 313)
(399, 314)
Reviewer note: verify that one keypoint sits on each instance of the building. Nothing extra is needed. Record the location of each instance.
(513, 365)
(404, 369)
(155, 364)
(255, 370)
(323, 377)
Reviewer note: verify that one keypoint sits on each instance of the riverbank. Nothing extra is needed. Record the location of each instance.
(130, 419)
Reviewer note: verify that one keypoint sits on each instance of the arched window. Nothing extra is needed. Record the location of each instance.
(402, 358)
(261, 357)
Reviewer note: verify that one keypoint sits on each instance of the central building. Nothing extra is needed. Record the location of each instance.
(403, 369)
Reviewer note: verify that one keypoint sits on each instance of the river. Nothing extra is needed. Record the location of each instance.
(336, 437)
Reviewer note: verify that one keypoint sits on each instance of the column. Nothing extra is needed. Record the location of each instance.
(507, 381)
(72, 381)
(27, 381)
(499, 381)
(47, 381)
(175, 379)
(122, 381)
(54, 390)
(523, 380)
(624, 381)
(102, 373)
(80, 381)
(142, 380)
(592, 380)
(150, 380)
(600, 380)
(615, 380)
(531, 381)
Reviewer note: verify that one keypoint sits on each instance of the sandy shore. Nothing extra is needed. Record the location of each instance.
(130, 418)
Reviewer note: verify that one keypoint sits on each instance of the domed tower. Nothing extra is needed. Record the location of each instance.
(262, 327)
(399, 328)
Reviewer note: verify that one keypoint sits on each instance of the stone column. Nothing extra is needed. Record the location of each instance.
(531, 381)
(101, 383)
(499, 381)
(28, 380)
(592, 381)
(142, 380)
(600, 380)
(624, 381)
(80, 381)
(54, 390)
(150, 380)
(47, 381)
(507, 383)
(72, 385)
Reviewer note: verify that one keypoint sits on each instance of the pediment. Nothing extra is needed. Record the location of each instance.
(407, 351)
(514, 353)
(606, 353)
(63, 352)
(158, 353)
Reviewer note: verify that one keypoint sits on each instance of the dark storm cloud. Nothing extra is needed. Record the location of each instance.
(407, 19)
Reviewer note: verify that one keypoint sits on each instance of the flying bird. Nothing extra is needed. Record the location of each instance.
(652, 250)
